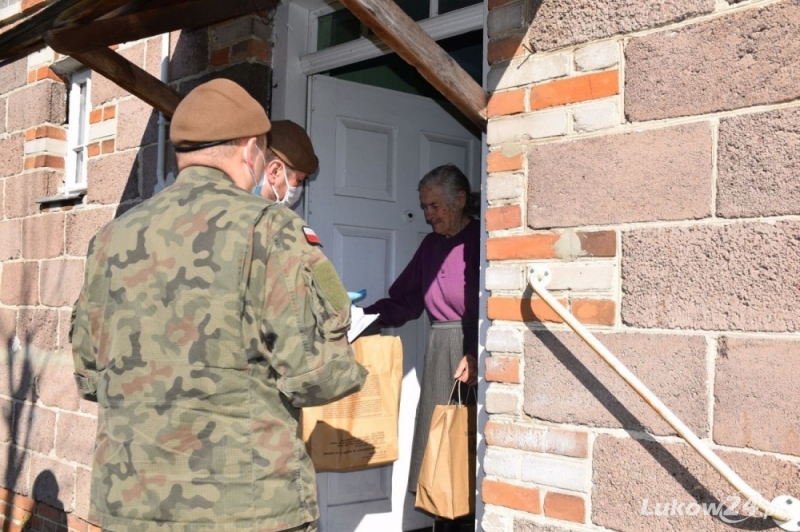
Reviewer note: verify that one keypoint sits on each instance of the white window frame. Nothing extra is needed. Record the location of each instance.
(75, 173)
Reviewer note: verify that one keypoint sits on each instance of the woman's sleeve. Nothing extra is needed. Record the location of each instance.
(406, 296)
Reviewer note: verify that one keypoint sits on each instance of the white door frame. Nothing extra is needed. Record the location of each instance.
(291, 65)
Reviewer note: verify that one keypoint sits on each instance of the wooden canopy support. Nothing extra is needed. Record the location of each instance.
(417, 48)
(131, 78)
(101, 33)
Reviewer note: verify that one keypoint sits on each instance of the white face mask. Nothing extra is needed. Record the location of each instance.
(292, 193)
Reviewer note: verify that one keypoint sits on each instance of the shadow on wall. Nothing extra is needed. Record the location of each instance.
(188, 68)
(631, 423)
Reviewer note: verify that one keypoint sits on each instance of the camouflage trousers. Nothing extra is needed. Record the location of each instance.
(308, 527)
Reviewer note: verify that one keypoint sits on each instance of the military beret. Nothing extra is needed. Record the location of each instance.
(214, 112)
(290, 142)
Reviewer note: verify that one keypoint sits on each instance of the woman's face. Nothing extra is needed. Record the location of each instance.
(444, 219)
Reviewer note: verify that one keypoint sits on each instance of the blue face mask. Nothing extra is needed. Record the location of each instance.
(259, 184)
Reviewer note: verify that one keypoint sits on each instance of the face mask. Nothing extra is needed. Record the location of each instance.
(259, 184)
(292, 193)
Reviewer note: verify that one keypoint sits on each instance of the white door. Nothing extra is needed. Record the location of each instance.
(374, 146)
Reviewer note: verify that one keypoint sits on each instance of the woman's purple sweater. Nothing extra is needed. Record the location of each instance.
(441, 278)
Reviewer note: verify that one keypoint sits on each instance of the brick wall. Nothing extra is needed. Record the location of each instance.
(46, 430)
(649, 154)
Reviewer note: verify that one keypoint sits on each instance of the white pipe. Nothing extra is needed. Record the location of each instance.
(538, 278)
(162, 122)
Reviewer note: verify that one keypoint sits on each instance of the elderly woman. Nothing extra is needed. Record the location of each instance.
(442, 278)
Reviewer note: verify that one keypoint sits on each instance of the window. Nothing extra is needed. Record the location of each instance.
(80, 104)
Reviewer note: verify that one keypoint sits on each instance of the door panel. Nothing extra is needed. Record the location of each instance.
(374, 145)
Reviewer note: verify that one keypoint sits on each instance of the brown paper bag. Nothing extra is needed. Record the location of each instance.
(360, 430)
(446, 485)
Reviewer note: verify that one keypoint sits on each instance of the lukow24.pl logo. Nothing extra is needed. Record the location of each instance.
(731, 510)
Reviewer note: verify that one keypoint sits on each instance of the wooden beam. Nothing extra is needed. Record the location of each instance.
(404, 36)
(191, 14)
(131, 78)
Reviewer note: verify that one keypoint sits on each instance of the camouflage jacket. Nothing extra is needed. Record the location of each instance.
(206, 321)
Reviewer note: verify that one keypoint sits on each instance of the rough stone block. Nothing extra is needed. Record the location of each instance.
(53, 481)
(596, 116)
(503, 340)
(40, 103)
(527, 70)
(60, 282)
(740, 60)
(541, 124)
(673, 366)
(506, 19)
(504, 186)
(55, 384)
(558, 473)
(13, 75)
(113, 178)
(7, 411)
(10, 240)
(240, 29)
(64, 324)
(501, 463)
(43, 236)
(504, 278)
(720, 277)
(103, 89)
(602, 180)
(150, 168)
(560, 24)
(256, 78)
(17, 374)
(11, 155)
(758, 164)
(16, 464)
(34, 427)
(631, 476)
(137, 124)
(22, 191)
(82, 225)
(152, 56)
(20, 283)
(188, 54)
(76, 437)
(8, 326)
(83, 483)
(754, 406)
(501, 401)
(39, 328)
(597, 56)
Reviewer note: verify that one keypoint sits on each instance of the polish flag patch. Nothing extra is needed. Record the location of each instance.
(312, 237)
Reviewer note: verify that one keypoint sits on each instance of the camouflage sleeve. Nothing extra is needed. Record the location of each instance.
(83, 353)
(305, 322)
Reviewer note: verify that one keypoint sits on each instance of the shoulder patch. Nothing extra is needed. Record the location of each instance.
(311, 236)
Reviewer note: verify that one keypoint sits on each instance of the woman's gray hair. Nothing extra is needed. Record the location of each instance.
(451, 181)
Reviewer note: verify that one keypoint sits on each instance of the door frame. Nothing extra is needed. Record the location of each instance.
(290, 99)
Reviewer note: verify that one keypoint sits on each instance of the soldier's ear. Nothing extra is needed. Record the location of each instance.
(275, 171)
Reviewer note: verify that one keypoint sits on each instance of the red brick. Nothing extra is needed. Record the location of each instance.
(602, 180)
(503, 49)
(109, 112)
(23, 502)
(515, 309)
(521, 247)
(30, 134)
(500, 369)
(506, 103)
(51, 132)
(18, 514)
(20, 283)
(43, 236)
(556, 361)
(251, 48)
(511, 496)
(28, 5)
(497, 162)
(96, 116)
(93, 150)
(32, 76)
(508, 217)
(747, 60)
(536, 439)
(492, 4)
(220, 57)
(572, 90)
(598, 243)
(46, 72)
(60, 282)
(6, 495)
(55, 515)
(44, 161)
(565, 507)
(594, 311)
(76, 523)
(107, 146)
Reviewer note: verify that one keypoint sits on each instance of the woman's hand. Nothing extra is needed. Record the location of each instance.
(467, 371)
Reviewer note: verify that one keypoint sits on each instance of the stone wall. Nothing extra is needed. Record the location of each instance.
(649, 154)
(47, 431)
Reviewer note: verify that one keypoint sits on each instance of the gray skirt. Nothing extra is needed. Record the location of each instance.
(442, 356)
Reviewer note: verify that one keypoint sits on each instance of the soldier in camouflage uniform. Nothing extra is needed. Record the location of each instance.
(207, 319)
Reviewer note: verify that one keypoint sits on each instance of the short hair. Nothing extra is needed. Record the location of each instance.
(449, 179)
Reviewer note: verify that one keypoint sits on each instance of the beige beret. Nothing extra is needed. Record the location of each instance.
(290, 142)
(218, 110)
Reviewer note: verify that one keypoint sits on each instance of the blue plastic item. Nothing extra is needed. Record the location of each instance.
(357, 296)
